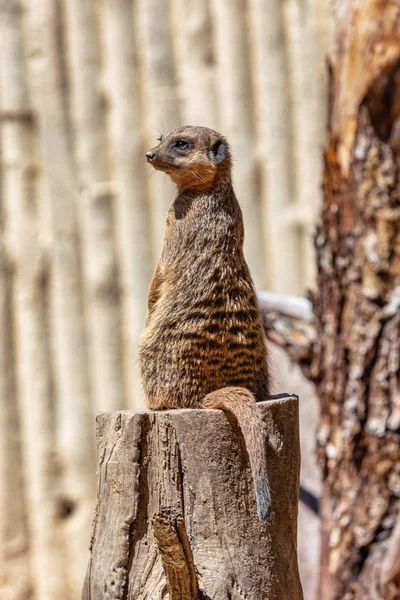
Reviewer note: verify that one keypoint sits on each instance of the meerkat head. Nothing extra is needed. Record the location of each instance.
(194, 157)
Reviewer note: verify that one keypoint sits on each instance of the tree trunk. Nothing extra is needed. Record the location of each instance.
(176, 515)
(357, 309)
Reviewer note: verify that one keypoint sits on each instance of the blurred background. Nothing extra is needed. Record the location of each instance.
(85, 88)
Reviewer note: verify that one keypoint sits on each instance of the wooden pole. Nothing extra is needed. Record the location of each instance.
(131, 211)
(74, 448)
(26, 254)
(273, 111)
(176, 515)
(96, 201)
(235, 115)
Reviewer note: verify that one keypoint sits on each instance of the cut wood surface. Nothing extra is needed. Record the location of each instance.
(176, 504)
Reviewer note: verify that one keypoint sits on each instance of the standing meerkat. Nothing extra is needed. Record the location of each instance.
(203, 345)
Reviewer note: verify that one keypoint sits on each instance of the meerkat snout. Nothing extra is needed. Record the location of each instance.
(150, 155)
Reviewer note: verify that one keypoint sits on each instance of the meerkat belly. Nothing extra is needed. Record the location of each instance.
(189, 351)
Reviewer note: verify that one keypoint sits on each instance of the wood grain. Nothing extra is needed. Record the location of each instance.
(180, 481)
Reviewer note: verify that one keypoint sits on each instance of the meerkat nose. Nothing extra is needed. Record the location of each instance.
(150, 156)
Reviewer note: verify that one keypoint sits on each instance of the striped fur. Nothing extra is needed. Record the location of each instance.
(203, 332)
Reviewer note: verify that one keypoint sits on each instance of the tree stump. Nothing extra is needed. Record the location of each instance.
(176, 515)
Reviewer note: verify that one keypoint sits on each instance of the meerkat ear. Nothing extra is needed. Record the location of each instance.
(219, 150)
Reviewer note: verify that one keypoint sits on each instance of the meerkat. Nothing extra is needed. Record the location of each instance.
(203, 344)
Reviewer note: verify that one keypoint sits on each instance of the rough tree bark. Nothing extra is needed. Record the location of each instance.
(357, 309)
(351, 349)
(176, 514)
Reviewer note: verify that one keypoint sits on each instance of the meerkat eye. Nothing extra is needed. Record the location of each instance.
(181, 144)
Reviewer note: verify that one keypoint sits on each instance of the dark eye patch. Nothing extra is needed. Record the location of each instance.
(182, 144)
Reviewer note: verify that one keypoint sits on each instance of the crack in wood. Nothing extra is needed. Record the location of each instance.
(176, 556)
(141, 498)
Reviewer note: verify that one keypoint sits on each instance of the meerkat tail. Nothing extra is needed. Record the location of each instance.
(242, 405)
